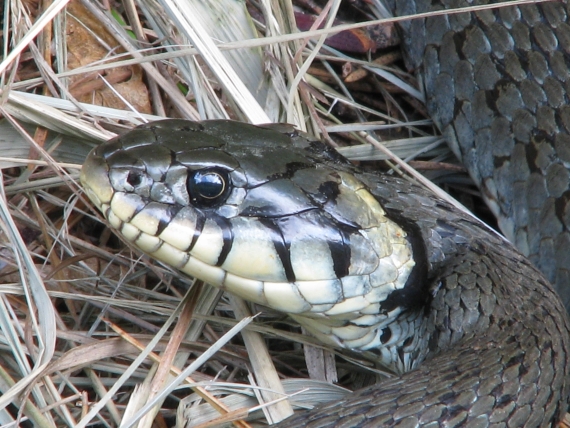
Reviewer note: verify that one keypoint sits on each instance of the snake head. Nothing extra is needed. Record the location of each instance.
(261, 212)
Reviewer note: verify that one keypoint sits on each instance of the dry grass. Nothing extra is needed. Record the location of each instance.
(91, 331)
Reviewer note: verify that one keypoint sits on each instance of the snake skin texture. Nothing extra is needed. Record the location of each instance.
(490, 339)
(497, 84)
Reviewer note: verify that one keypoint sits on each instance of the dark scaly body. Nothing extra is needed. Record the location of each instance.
(490, 340)
(498, 86)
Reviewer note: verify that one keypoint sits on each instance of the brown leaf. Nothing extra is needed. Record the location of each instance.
(84, 48)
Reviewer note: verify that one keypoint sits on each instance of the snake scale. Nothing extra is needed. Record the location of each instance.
(498, 86)
(477, 334)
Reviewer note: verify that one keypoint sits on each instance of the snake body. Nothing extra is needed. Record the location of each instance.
(365, 261)
(477, 334)
(497, 84)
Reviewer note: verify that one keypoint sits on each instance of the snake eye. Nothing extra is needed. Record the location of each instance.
(208, 187)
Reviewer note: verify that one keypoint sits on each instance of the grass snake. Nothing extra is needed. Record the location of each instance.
(477, 334)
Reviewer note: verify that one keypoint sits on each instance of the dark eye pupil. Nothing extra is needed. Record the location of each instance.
(209, 185)
(208, 188)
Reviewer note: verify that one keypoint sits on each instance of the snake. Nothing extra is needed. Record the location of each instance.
(474, 331)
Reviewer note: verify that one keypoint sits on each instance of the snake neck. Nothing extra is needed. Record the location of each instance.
(473, 280)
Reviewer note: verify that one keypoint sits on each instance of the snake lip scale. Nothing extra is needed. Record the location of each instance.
(363, 261)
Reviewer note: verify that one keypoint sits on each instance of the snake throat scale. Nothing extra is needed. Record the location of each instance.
(365, 261)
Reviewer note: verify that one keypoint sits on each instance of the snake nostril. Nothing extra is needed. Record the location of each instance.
(134, 178)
